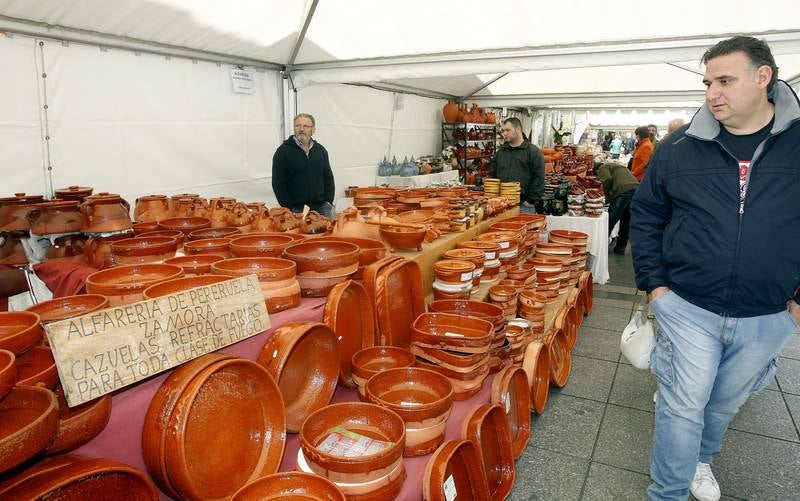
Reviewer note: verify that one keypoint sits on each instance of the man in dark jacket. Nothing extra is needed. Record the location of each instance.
(619, 186)
(301, 171)
(715, 230)
(519, 160)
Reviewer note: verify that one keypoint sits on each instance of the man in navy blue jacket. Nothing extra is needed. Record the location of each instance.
(715, 233)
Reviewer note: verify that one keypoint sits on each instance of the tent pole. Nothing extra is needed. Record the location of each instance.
(301, 36)
(289, 94)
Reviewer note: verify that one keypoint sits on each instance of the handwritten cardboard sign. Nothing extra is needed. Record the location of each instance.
(104, 351)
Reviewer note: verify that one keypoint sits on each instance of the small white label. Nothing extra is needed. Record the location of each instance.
(243, 82)
(507, 255)
(505, 245)
(490, 255)
(453, 334)
(507, 399)
(466, 276)
(477, 273)
(450, 489)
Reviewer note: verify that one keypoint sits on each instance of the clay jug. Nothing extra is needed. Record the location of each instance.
(151, 208)
(462, 111)
(105, 212)
(14, 211)
(98, 250)
(173, 200)
(349, 223)
(68, 249)
(262, 221)
(450, 111)
(183, 207)
(218, 213)
(240, 217)
(61, 216)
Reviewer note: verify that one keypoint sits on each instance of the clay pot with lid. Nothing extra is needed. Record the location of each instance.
(276, 277)
(454, 272)
(77, 193)
(369, 361)
(305, 386)
(144, 249)
(422, 398)
(19, 331)
(457, 464)
(14, 211)
(151, 208)
(126, 284)
(292, 485)
(62, 216)
(27, 433)
(487, 427)
(105, 212)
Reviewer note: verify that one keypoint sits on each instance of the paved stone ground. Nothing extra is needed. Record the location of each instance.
(593, 440)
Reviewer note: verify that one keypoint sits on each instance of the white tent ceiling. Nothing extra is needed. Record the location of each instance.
(578, 52)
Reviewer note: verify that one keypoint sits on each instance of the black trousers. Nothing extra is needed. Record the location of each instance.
(620, 210)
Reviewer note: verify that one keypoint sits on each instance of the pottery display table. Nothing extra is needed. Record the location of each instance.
(431, 252)
(423, 181)
(597, 229)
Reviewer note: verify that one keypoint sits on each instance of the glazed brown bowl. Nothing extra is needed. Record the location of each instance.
(371, 420)
(367, 362)
(479, 309)
(369, 250)
(68, 307)
(329, 258)
(8, 372)
(546, 264)
(503, 293)
(199, 264)
(177, 235)
(125, 284)
(490, 249)
(30, 419)
(140, 250)
(453, 332)
(260, 245)
(181, 284)
(291, 486)
(78, 425)
(571, 238)
(268, 269)
(141, 228)
(520, 271)
(216, 246)
(403, 237)
(422, 216)
(532, 299)
(19, 331)
(305, 386)
(37, 367)
(451, 271)
(186, 225)
(214, 233)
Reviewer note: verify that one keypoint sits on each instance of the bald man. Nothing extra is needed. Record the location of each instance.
(672, 126)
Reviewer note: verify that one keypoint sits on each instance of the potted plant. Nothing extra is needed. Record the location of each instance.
(560, 133)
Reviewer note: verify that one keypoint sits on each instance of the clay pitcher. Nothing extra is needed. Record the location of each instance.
(173, 201)
(183, 207)
(218, 213)
(450, 111)
(105, 212)
(262, 221)
(151, 208)
(240, 217)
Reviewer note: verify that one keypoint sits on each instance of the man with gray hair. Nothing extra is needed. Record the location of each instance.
(301, 171)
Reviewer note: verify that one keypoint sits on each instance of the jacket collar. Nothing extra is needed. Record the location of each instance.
(787, 110)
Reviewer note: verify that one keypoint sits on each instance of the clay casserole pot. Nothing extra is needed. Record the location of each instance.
(19, 331)
(68, 307)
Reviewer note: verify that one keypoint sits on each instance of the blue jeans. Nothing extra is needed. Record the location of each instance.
(323, 208)
(707, 366)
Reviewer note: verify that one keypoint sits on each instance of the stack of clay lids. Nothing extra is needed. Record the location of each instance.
(510, 390)
(215, 424)
(487, 427)
(491, 186)
(348, 312)
(532, 307)
(321, 265)
(395, 283)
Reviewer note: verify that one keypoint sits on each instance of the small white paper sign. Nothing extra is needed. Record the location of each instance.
(243, 81)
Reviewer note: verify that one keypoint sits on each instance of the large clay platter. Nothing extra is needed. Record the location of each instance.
(455, 471)
(487, 427)
(399, 300)
(536, 364)
(560, 357)
(511, 391)
(348, 311)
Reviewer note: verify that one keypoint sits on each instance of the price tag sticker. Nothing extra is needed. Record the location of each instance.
(466, 276)
(450, 489)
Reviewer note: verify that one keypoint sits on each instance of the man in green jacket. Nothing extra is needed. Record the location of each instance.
(619, 185)
(519, 160)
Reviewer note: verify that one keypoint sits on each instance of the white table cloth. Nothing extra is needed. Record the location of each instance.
(419, 181)
(597, 229)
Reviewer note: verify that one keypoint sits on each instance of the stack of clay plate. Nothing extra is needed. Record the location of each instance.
(369, 251)
(511, 192)
(519, 228)
(453, 279)
(321, 265)
(509, 246)
(370, 361)
(276, 277)
(422, 397)
(491, 186)
(491, 251)
(519, 335)
(500, 350)
(579, 242)
(595, 203)
(348, 312)
(474, 256)
(126, 284)
(523, 272)
(505, 296)
(303, 358)
(76, 477)
(487, 427)
(395, 284)
(358, 446)
(454, 346)
(532, 308)
(511, 391)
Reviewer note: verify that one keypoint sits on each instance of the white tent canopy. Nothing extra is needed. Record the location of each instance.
(155, 99)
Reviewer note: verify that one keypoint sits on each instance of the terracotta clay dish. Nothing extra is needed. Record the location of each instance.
(511, 391)
(125, 284)
(367, 362)
(186, 225)
(487, 427)
(216, 246)
(181, 284)
(348, 312)
(8, 372)
(276, 277)
(68, 307)
(452, 332)
(399, 300)
(141, 228)
(369, 251)
(327, 257)
(37, 367)
(456, 466)
(160, 411)
(73, 477)
(224, 232)
(77, 425)
(144, 249)
(486, 311)
(585, 284)
(19, 331)
(290, 486)
(401, 237)
(178, 236)
(560, 357)
(288, 355)
(228, 428)
(536, 364)
(199, 264)
(29, 415)
(260, 245)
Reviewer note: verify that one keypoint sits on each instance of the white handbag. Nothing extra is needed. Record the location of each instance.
(639, 338)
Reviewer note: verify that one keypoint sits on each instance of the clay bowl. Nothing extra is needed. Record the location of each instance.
(37, 367)
(8, 372)
(30, 419)
(403, 237)
(487, 427)
(186, 225)
(227, 429)
(215, 246)
(490, 249)
(559, 356)
(19, 331)
(422, 398)
(479, 309)
(416, 216)
(532, 299)
(199, 264)
(571, 238)
(207, 233)
(452, 332)
(451, 271)
(145, 249)
(367, 362)
(260, 246)
(456, 466)
(177, 235)
(74, 477)
(68, 307)
(349, 313)
(503, 293)
(520, 271)
(511, 391)
(78, 425)
(290, 486)
(366, 419)
(305, 386)
(546, 264)
(140, 228)
(276, 278)
(329, 258)
(125, 284)
(181, 284)
(369, 250)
